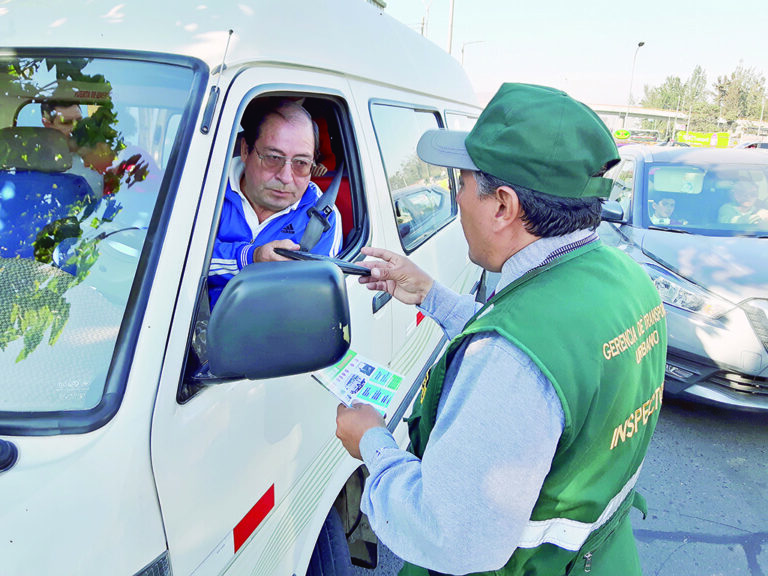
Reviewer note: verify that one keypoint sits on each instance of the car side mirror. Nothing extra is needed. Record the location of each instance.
(279, 318)
(612, 212)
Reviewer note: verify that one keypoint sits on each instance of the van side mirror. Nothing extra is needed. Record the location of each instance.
(279, 318)
(612, 212)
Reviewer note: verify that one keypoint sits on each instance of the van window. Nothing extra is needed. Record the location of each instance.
(459, 121)
(335, 156)
(83, 159)
(422, 197)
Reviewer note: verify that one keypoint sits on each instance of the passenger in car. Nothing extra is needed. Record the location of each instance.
(64, 116)
(744, 207)
(269, 193)
(60, 115)
(110, 168)
(326, 159)
(37, 190)
(661, 212)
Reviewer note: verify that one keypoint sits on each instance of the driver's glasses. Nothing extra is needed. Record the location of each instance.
(299, 166)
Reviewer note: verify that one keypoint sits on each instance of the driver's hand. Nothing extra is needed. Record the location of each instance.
(266, 253)
(396, 275)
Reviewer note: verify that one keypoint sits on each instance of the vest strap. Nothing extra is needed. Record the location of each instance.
(571, 534)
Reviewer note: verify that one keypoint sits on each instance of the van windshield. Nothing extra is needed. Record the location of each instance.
(86, 147)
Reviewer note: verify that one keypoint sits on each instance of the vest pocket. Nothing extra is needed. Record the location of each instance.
(593, 553)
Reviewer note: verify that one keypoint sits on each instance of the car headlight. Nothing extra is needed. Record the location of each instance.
(681, 293)
(757, 312)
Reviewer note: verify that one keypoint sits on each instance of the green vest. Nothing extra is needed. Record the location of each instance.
(593, 323)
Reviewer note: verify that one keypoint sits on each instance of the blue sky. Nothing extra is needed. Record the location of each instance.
(587, 47)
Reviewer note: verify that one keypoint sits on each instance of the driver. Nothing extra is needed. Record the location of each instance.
(745, 206)
(269, 192)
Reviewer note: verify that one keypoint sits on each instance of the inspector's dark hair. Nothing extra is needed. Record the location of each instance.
(546, 215)
(257, 112)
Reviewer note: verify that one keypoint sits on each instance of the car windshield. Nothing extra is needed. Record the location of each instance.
(710, 199)
(85, 144)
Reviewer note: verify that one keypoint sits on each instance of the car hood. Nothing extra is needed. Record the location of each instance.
(735, 268)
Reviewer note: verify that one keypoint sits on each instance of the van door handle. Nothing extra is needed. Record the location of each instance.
(380, 299)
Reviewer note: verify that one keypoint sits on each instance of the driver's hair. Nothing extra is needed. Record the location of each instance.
(260, 109)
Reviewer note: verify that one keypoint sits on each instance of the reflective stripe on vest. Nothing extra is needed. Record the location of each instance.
(571, 534)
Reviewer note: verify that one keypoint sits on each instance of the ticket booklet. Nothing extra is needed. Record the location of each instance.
(357, 379)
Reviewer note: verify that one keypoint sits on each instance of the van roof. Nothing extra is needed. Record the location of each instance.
(347, 36)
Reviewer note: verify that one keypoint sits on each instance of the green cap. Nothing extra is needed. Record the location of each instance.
(533, 136)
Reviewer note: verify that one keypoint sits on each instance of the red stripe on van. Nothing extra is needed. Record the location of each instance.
(419, 317)
(251, 521)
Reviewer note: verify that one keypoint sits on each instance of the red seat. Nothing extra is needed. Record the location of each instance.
(343, 201)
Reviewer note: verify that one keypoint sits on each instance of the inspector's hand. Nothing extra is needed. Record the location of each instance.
(353, 422)
(396, 275)
(266, 253)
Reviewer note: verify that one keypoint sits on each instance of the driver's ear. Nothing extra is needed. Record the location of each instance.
(243, 149)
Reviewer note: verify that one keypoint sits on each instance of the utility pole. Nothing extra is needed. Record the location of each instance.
(674, 124)
(631, 80)
(450, 28)
(425, 18)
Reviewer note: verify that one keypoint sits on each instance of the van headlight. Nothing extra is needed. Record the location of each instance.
(680, 293)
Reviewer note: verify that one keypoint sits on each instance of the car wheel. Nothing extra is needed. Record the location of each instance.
(331, 554)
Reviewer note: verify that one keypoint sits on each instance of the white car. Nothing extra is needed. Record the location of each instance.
(697, 220)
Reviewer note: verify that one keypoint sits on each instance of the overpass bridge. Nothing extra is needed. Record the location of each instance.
(614, 115)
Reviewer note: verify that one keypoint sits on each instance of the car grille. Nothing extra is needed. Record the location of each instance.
(753, 385)
(757, 312)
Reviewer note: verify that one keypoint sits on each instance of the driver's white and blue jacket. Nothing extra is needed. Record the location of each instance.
(239, 236)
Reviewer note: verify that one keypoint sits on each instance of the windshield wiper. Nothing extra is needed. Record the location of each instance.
(678, 230)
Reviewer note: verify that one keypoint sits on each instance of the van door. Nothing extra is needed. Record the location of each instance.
(420, 219)
(246, 471)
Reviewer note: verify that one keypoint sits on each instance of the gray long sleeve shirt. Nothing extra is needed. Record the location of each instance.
(463, 506)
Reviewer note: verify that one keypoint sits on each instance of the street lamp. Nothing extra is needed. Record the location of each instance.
(631, 80)
(465, 44)
(450, 28)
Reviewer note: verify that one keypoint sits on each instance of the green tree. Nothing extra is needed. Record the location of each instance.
(696, 86)
(668, 96)
(702, 116)
(740, 95)
(413, 171)
(690, 97)
(733, 98)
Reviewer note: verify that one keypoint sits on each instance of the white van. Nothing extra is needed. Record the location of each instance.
(119, 452)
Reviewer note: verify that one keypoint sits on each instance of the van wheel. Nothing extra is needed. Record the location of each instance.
(331, 554)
